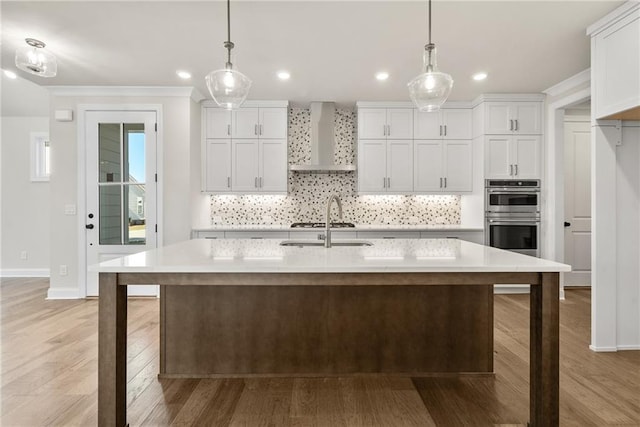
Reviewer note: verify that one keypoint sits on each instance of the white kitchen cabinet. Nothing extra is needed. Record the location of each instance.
(256, 234)
(524, 118)
(615, 59)
(512, 157)
(382, 234)
(217, 123)
(443, 166)
(469, 236)
(202, 234)
(318, 234)
(448, 123)
(260, 123)
(383, 123)
(259, 166)
(245, 151)
(385, 166)
(218, 166)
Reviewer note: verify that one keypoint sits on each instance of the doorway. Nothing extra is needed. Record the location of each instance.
(120, 189)
(577, 194)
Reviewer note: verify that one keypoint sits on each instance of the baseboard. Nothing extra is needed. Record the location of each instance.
(25, 272)
(629, 347)
(510, 289)
(63, 293)
(602, 349)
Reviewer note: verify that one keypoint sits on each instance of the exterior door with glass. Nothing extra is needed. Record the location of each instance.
(120, 188)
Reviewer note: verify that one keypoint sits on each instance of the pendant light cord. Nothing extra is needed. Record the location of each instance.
(429, 22)
(228, 44)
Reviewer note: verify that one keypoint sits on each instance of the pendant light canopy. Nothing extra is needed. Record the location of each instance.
(228, 87)
(430, 89)
(34, 59)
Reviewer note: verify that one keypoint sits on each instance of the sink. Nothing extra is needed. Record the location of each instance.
(320, 243)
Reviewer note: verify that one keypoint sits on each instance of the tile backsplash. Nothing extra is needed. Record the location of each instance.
(308, 192)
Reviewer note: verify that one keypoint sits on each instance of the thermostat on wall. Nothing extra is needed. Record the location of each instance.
(64, 115)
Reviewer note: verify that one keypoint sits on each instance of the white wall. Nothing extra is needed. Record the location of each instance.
(175, 179)
(25, 204)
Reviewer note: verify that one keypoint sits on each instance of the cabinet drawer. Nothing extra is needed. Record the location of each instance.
(207, 234)
(256, 234)
(469, 236)
(388, 234)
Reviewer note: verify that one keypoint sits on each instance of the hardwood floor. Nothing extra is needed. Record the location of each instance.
(49, 376)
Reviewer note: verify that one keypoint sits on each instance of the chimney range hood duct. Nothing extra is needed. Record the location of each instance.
(322, 141)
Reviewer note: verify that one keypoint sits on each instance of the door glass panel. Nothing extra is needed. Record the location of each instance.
(109, 152)
(110, 219)
(136, 232)
(513, 199)
(514, 236)
(121, 183)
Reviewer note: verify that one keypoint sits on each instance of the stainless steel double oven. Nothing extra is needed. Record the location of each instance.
(512, 215)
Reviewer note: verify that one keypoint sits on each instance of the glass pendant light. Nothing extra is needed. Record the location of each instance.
(228, 87)
(35, 59)
(430, 90)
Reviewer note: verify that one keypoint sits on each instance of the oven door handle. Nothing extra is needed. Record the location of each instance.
(518, 191)
(511, 221)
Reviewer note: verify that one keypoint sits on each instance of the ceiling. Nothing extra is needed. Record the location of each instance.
(331, 48)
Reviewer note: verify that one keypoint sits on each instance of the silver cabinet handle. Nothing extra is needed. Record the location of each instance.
(516, 167)
(440, 182)
(228, 129)
(228, 182)
(388, 182)
(510, 124)
(384, 130)
(510, 170)
(516, 128)
(260, 129)
(445, 180)
(445, 130)
(255, 129)
(388, 130)
(260, 182)
(255, 182)
(440, 130)
(384, 182)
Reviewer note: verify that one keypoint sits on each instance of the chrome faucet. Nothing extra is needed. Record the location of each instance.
(327, 223)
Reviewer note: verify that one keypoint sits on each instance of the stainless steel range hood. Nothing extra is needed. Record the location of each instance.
(322, 141)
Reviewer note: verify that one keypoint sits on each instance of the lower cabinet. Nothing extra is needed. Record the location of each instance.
(469, 236)
(380, 234)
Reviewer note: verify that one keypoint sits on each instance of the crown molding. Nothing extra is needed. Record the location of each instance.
(509, 97)
(169, 91)
(570, 83)
(251, 104)
(616, 15)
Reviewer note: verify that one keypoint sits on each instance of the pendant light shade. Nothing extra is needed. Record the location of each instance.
(228, 87)
(430, 90)
(34, 59)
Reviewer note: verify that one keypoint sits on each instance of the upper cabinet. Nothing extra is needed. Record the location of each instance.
(512, 157)
(385, 166)
(615, 64)
(443, 166)
(524, 118)
(448, 123)
(245, 150)
(383, 123)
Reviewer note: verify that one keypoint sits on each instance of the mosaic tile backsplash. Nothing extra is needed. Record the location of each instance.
(308, 192)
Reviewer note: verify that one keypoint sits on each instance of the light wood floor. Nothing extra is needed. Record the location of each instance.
(49, 363)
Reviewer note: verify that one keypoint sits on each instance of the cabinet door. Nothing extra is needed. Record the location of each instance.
(273, 123)
(428, 168)
(497, 118)
(218, 165)
(218, 123)
(372, 165)
(245, 123)
(399, 165)
(528, 118)
(427, 125)
(245, 165)
(273, 176)
(526, 157)
(457, 123)
(498, 164)
(400, 123)
(372, 123)
(458, 160)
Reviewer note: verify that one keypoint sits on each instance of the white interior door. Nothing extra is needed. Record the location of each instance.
(577, 207)
(120, 188)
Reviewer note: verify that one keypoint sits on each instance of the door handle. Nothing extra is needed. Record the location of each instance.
(510, 169)
(89, 226)
(228, 182)
(255, 182)
(445, 179)
(255, 129)
(510, 124)
(384, 130)
(567, 224)
(228, 129)
(440, 182)
(516, 167)
(445, 130)
(260, 182)
(440, 130)
(516, 124)
(260, 129)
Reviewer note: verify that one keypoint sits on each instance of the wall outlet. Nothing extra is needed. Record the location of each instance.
(23, 255)
(63, 270)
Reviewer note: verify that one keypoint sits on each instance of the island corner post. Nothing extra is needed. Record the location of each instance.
(544, 333)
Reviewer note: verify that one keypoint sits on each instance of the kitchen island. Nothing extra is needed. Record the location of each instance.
(399, 307)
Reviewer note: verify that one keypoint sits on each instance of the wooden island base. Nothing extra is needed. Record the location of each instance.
(325, 330)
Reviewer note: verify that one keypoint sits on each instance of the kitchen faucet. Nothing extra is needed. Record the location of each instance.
(327, 223)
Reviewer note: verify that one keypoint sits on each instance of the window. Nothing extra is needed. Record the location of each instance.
(40, 156)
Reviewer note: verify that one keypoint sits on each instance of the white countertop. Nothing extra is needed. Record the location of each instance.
(264, 256)
(358, 227)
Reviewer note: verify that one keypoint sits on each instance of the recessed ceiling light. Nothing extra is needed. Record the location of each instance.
(479, 76)
(382, 75)
(10, 74)
(284, 75)
(184, 74)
